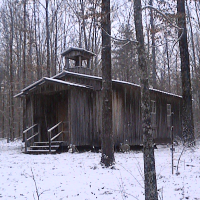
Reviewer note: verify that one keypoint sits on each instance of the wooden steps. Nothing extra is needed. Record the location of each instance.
(43, 147)
(39, 151)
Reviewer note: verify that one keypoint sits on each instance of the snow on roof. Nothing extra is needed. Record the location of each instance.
(45, 79)
(125, 82)
(29, 87)
(70, 49)
(163, 92)
(64, 72)
(68, 83)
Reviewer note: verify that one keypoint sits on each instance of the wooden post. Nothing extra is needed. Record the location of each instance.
(66, 63)
(49, 141)
(172, 136)
(39, 133)
(63, 131)
(25, 139)
(80, 61)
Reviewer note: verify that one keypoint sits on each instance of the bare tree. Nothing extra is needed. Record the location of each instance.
(187, 114)
(38, 66)
(148, 146)
(24, 47)
(168, 63)
(107, 143)
(11, 75)
(153, 46)
(48, 38)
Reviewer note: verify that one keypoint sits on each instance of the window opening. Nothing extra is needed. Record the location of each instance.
(169, 113)
(153, 107)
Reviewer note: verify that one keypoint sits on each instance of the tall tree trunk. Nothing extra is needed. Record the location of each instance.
(153, 46)
(39, 71)
(177, 78)
(194, 67)
(187, 114)
(56, 41)
(195, 77)
(107, 145)
(168, 64)
(148, 146)
(24, 70)
(24, 49)
(83, 24)
(3, 108)
(48, 38)
(11, 94)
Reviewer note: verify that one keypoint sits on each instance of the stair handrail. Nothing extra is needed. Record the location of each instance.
(50, 130)
(25, 135)
(55, 126)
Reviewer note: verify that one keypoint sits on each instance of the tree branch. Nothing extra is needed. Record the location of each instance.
(161, 13)
(121, 40)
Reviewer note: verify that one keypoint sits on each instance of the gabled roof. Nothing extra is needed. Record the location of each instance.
(163, 92)
(76, 49)
(45, 80)
(64, 73)
(55, 79)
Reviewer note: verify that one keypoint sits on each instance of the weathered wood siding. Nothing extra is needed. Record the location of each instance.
(81, 111)
(126, 115)
(45, 113)
(29, 111)
(97, 118)
(81, 116)
(95, 82)
(49, 110)
(29, 115)
(63, 115)
(163, 130)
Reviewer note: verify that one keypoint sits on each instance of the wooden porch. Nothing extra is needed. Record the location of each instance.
(34, 145)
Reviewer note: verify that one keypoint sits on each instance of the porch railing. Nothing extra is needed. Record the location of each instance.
(32, 136)
(55, 136)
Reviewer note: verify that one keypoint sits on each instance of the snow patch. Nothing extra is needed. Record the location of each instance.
(80, 176)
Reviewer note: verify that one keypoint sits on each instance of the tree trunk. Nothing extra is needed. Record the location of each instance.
(195, 77)
(187, 114)
(24, 49)
(24, 70)
(11, 93)
(83, 24)
(39, 71)
(148, 146)
(48, 38)
(56, 41)
(107, 145)
(168, 64)
(153, 47)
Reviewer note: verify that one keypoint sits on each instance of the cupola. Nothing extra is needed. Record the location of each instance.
(77, 60)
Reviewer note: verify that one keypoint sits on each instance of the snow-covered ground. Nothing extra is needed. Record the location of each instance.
(79, 176)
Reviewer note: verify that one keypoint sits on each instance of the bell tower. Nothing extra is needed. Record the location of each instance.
(77, 60)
